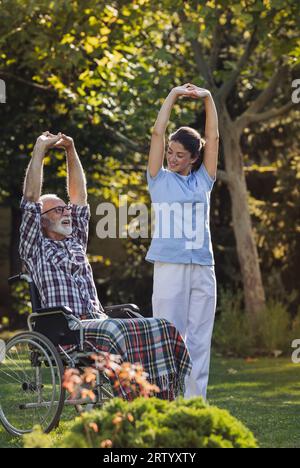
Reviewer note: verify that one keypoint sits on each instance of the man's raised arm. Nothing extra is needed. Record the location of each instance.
(34, 174)
(76, 182)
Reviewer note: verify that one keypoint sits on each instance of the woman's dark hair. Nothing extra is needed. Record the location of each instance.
(191, 140)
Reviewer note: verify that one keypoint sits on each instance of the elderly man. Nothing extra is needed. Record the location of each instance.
(54, 235)
(53, 245)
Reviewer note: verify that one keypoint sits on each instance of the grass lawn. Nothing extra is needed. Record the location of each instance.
(264, 394)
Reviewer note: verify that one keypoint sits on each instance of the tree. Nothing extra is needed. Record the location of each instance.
(100, 69)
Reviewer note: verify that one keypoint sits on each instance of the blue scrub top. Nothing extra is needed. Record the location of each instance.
(182, 208)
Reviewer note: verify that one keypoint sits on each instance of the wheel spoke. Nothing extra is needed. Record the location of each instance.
(31, 390)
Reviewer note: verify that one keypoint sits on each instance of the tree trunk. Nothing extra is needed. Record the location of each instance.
(246, 247)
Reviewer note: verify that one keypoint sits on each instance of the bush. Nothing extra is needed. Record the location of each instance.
(232, 334)
(236, 334)
(275, 329)
(154, 423)
(295, 333)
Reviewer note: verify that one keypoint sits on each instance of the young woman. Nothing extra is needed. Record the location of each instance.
(184, 286)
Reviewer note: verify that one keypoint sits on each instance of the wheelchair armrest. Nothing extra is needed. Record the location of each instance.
(123, 311)
(59, 309)
(53, 323)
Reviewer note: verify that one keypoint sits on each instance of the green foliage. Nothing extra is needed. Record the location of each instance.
(232, 334)
(37, 439)
(21, 297)
(275, 210)
(276, 329)
(271, 333)
(153, 423)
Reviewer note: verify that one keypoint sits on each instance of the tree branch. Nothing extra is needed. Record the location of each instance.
(201, 63)
(252, 114)
(267, 94)
(269, 114)
(230, 83)
(121, 138)
(223, 176)
(24, 81)
(216, 44)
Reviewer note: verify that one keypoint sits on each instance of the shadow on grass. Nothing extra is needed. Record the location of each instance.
(263, 394)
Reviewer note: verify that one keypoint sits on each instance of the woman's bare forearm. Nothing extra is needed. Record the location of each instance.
(163, 117)
(157, 148)
(211, 122)
(211, 149)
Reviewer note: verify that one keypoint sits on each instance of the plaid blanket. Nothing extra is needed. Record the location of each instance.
(153, 343)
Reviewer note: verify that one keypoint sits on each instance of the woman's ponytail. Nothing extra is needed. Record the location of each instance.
(196, 165)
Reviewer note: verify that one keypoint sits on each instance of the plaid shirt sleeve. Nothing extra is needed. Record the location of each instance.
(30, 230)
(80, 219)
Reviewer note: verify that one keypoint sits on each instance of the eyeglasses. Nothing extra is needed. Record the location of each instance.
(59, 209)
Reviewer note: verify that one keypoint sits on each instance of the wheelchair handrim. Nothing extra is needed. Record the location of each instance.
(45, 381)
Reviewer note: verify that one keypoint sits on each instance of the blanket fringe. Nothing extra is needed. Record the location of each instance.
(171, 387)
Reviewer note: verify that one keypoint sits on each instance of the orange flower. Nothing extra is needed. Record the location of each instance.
(131, 377)
(86, 393)
(117, 419)
(106, 444)
(94, 427)
(130, 417)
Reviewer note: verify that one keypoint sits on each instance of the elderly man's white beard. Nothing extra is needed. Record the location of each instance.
(60, 228)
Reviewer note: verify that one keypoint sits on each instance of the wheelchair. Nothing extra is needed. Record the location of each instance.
(32, 369)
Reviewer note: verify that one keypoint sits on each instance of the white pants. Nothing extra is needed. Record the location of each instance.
(186, 295)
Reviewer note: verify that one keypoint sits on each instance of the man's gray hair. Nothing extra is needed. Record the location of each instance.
(48, 196)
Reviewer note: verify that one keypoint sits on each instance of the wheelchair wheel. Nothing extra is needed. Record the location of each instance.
(31, 391)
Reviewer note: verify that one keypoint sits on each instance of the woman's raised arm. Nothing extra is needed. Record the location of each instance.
(211, 149)
(157, 148)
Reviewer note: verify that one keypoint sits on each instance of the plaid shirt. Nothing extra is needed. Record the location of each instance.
(60, 269)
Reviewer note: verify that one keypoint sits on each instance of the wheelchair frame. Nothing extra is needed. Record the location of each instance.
(43, 357)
